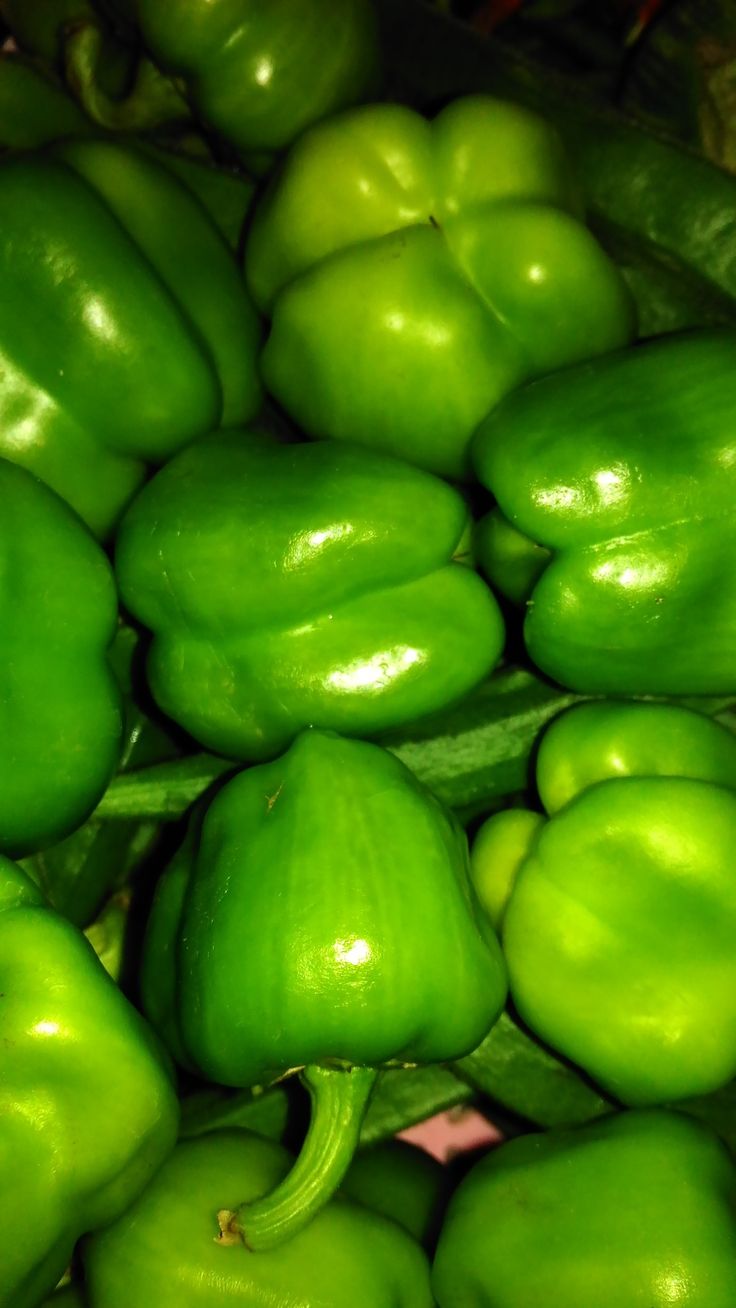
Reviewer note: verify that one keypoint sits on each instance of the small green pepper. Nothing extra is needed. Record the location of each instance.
(296, 585)
(88, 1110)
(416, 272)
(634, 1211)
(620, 929)
(326, 924)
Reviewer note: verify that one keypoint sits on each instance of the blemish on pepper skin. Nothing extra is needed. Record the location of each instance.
(271, 799)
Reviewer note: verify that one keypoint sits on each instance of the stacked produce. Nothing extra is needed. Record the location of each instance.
(368, 673)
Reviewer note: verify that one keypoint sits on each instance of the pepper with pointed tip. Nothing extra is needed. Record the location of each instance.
(325, 923)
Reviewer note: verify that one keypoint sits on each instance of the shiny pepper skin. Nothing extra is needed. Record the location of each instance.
(125, 330)
(415, 272)
(322, 921)
(60, 706)
(348, 1257)
(624, 470)
(620, 926)
(634, 1211)
(88, 1109)
(296, 585)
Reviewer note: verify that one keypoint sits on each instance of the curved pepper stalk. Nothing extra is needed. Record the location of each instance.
(153, 100)
(339, 1099)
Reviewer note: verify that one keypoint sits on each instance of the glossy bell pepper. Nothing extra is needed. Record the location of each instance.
(60, 707)
(634, 1211)
(294, 933)
(164, 1251)
(256, 76)
(296, 585)
(624, 470)
(88, 1110)
(620, 927)
(125, 330)
(415, 272)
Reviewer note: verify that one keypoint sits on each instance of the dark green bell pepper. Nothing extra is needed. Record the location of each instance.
(256, 76)
(34, 108)
(296, 934)
(60, 707)
(634, 1211)
(125, 330)
(404, 1182)
(88, 1110)
(624, 470)
(416, 272)
(296, 585)
(620, 928)
(164, 1250)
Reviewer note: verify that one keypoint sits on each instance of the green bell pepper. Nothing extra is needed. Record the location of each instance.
(404, 1182)
(255, 76)
(35, 109)
(292, 935)
(164, 1251)
(628, 481)
(416, 272)
(60, 707)
(620, 928)
(88, 1110)
(296, 585)
(634, 1211)
(73, 39)
(125, 330)
(78, 873)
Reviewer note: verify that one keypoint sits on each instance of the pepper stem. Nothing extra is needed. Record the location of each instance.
(339, 1099)
(153, 100)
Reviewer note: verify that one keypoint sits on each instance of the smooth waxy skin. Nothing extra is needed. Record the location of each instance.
(415, 272)
(259, 74)
(87, 1106)
(302, 584)
(625, 469)
(375, 870)
(620, 931)
(593, 742)
(348, 1257)
(60, 707)
(125, 331)
(320, 883)
(634, 1211)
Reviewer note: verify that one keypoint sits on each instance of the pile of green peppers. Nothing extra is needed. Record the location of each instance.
(368, 671)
